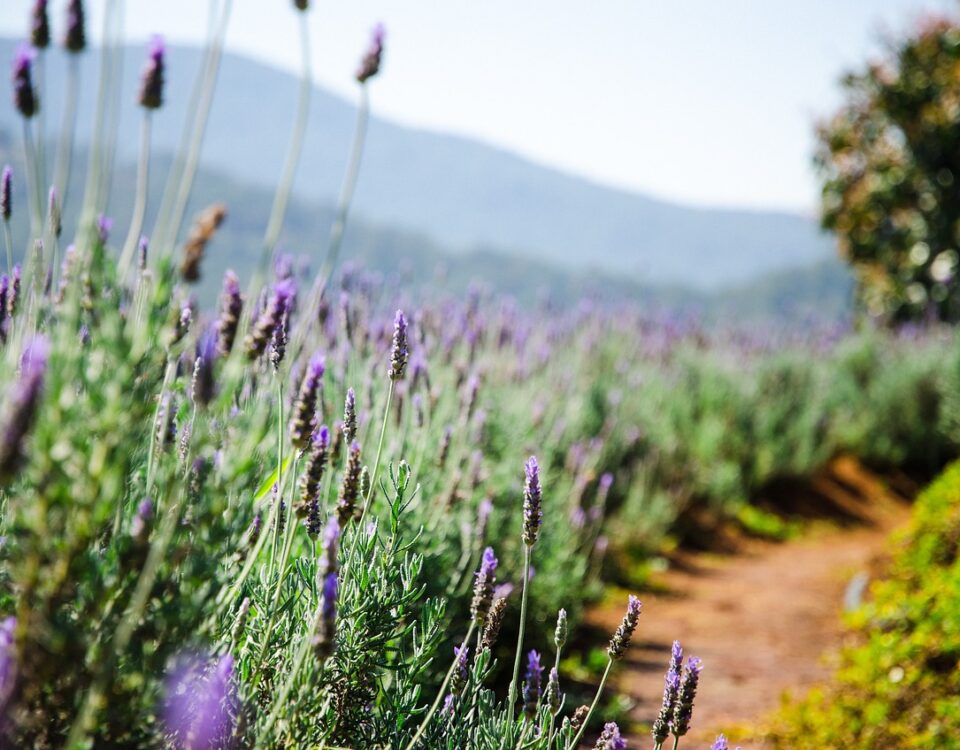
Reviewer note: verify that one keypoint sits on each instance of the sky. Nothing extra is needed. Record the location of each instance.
(697, 101)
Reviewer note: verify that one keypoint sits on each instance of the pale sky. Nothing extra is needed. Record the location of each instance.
(698, 101)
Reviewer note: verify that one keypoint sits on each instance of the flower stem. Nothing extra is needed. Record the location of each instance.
(8, 238)
(61, 170)
(512, 694)
(33, 183)
(596, 699)
(376, 463)
(140, 205)
(440, 693)
(282, 197)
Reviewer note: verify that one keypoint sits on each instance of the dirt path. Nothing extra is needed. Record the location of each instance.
(766, 618)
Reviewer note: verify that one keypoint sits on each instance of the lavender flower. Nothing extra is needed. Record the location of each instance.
(350, 486)
(610, 738)
(483, 587)
(327, 625)
(142, 246)
(532, 502)
(22, 406)
(400, 353)
(271, 317)
(683, 709)
(151, 84)
(560, 634)
(104, 225)
(14, 296)
(53, 213)
(350, 416)
(531, 685)
(671, 688)
(305, 407)
(6, 193)
(720, 743)
(201, 702)
(140, 525)
(204, 385)
(552, 694)
(331, 547)
(8, 661)
(40, 25)
(231, 306)
(25, 96)
(460, 674)
(312, 476)
(301, 4)
(444, 446)
(370, 65)
(76, 37)
(621, 638)
(491, 630)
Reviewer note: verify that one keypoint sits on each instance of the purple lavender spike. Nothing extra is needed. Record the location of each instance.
(532, 683)
(25, 96)
(201, 702)
(151, 85)
(370, 65)
(75, 39)
(22, 406)
(40, 25)
(532, 502)
(6, 193)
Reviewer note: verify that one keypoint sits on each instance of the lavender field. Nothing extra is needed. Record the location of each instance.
(307, 503)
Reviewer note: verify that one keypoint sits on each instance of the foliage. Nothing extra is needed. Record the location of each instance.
(891, 177)
(898, 689)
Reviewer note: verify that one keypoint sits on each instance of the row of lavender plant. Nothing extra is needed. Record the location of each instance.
(198, 550)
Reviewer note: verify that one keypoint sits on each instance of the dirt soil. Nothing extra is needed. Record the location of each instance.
(765, 618)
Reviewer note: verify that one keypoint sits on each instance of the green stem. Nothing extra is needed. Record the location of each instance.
(676, 741)
(376, 463)
(512, 695)
(9, 242)
(192, 160)
(140, 205)
(33, 183)
(340, 219)
(596, 699)
(279, 500)
(282, 197)
(440, 693)
(61, 171)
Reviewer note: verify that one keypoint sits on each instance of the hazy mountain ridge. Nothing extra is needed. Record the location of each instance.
(462, 193)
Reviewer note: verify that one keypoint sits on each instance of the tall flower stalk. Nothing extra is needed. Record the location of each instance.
(151, 98)
(295, 147)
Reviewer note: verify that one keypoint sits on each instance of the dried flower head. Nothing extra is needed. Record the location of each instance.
(151, 82)
(579, 716)
(204, 227)
(491, 630)
(621, 638)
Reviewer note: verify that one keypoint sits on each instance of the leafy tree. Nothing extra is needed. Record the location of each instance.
(890, 163)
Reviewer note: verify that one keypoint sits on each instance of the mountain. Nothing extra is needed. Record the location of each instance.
(461, 193)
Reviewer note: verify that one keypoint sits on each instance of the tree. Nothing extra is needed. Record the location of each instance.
(890, 164)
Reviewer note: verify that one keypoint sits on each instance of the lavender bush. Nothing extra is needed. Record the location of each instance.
(302, 518)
